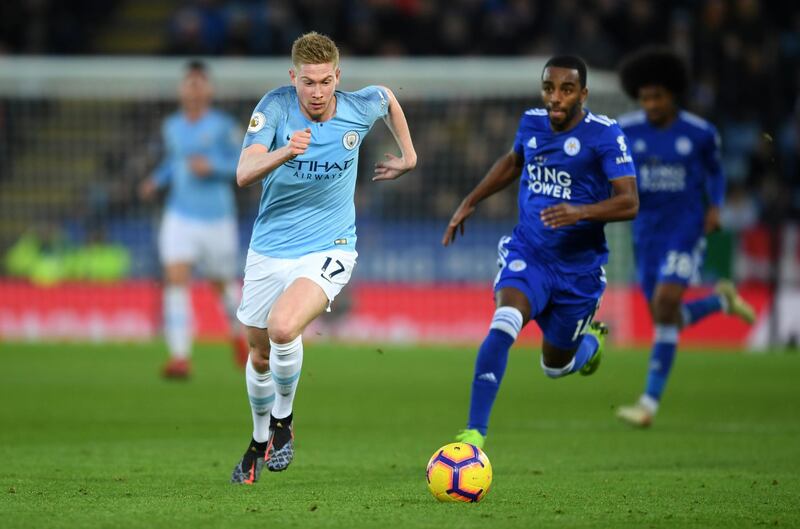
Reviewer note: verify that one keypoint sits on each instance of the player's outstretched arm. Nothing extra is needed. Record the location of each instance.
(256, 161)
(504, 171)
(393, 166)
(623, 205)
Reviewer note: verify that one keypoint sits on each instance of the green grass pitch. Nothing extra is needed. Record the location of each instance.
(90, 437)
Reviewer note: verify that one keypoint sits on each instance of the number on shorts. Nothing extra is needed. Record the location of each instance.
(580, 328)
(329, 275)
(582, 325)
(678, 263)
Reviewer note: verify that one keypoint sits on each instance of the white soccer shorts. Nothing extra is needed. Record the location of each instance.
(211, 245)
(266, 278)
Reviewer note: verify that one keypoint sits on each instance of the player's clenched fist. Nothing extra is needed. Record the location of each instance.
(299, 141)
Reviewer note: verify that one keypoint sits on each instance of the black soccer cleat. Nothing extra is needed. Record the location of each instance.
(249, 468)
(280, 450)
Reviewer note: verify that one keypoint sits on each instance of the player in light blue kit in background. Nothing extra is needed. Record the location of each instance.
(576, 174)
(199, 223)
(302, 146)
(681, 187)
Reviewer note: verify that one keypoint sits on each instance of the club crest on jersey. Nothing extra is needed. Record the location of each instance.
(350, 140)
(517, 265)
(572, 146)
(683, 145)
(257, 122)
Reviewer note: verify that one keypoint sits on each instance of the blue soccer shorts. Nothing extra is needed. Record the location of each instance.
(562, 303)
(677, 258)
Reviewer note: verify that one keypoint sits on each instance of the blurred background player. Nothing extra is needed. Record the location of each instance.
(199, 223)
(302, 145)
(576, 175)
(681, 188)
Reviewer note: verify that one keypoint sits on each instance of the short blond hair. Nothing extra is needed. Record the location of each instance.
(314, 48)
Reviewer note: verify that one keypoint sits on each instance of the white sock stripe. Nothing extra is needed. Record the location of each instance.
(261, 395)
(556, 372)
(666, 334)
(286, 348)
(649, 403)
(723, 302)
(507, 320)
(503, 327)
(177, 307)
(686, 316)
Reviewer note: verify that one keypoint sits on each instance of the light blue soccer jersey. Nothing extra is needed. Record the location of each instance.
(575, 166)
(307, 203)
(216, 137)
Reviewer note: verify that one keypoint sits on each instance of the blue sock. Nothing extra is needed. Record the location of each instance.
(661, 357)
(698, 309)
(586, 349)
(490, 366)
(583, 353)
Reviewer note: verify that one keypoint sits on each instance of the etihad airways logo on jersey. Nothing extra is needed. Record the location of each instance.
(318, 170)
(549, 181)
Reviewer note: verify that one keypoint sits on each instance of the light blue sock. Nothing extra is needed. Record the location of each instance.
(490, 366)
(696, 310)
(661, 358)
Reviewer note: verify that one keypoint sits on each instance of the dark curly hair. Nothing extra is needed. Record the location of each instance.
(654, 66)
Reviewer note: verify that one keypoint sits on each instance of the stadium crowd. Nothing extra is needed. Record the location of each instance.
(744, 57)
(750, 45)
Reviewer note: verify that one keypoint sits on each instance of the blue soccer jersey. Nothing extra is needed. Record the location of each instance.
(679, 176)
(679, 172)
(215, 137)
(307, 203)
(574, 166)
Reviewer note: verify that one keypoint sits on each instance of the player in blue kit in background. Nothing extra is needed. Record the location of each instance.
(576, 175)
(302, 146)
(681, 188)
(201, 147)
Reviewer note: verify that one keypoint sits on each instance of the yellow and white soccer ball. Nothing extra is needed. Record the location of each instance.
(459, 472)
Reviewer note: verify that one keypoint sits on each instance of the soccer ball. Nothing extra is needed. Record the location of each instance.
(459, 472)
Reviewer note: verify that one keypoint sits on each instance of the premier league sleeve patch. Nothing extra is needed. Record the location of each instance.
(257, 122)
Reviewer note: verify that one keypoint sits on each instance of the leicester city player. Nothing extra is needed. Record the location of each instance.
(681, 188)
(576, 174)
(302, 146)
(199, 223)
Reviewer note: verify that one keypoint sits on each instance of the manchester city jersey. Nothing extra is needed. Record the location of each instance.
(215, 137)
(573, 166)
(307, 203)
(679, 171)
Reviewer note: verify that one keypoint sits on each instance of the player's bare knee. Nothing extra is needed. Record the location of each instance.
(259, 357)
(282, 330)
(556, 362)
(666, 309)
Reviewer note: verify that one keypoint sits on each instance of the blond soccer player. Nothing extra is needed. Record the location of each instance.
(302, 146)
